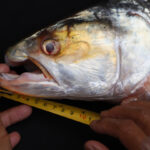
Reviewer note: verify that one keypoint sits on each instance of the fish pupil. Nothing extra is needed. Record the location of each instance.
(50, 47)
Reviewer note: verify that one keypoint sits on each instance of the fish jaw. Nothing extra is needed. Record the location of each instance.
(30, 84)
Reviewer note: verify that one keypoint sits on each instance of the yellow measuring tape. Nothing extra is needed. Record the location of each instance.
(77, 114)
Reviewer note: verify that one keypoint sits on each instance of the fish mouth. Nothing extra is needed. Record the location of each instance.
(28, 71)
(43, 70)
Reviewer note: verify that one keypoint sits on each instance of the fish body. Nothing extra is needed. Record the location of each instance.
(101, 53)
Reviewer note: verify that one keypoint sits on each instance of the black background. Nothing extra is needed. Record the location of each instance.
(45, 131)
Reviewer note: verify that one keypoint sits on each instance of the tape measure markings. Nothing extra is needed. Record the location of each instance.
(70, 112)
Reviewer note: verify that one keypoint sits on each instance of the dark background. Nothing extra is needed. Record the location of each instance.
(45, 131)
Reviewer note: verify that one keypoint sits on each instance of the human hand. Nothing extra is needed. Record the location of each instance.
(128, 122)
(9, 117)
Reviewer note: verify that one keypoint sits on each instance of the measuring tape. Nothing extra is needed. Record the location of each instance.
(77, 114)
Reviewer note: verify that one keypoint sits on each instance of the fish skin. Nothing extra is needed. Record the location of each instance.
(104, 55)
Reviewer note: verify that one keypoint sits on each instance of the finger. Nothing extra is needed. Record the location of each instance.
(129, 100)
(5, 143)
(14, 138)
(139, 115)
(4, 138)
(146, 144)
(4, 68)
(141, 104)
(126, 130)
(94, 145)
(15, 114)
(3, 132)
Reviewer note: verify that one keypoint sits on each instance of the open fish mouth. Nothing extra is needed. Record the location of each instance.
(28, 71)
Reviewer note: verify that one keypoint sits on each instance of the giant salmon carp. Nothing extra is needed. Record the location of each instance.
(101, 53)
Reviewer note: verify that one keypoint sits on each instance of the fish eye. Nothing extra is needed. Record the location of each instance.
(50, 47)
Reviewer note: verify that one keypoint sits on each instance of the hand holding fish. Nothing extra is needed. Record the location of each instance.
(128, 122)
(9, 117)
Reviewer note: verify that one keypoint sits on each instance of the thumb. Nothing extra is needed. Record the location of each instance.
(94, 145)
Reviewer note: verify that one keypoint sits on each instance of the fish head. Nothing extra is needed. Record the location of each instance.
(86, 56)
(67, 55)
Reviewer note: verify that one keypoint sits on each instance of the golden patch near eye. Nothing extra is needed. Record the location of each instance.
(51, 47)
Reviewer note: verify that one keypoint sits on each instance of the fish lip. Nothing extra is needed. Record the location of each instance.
(46, 74)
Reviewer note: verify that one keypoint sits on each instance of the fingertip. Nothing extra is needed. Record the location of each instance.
(26, 110)
(14, 138)
(16, 114)
(4, 68)
(94, 145)
(87, 146)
